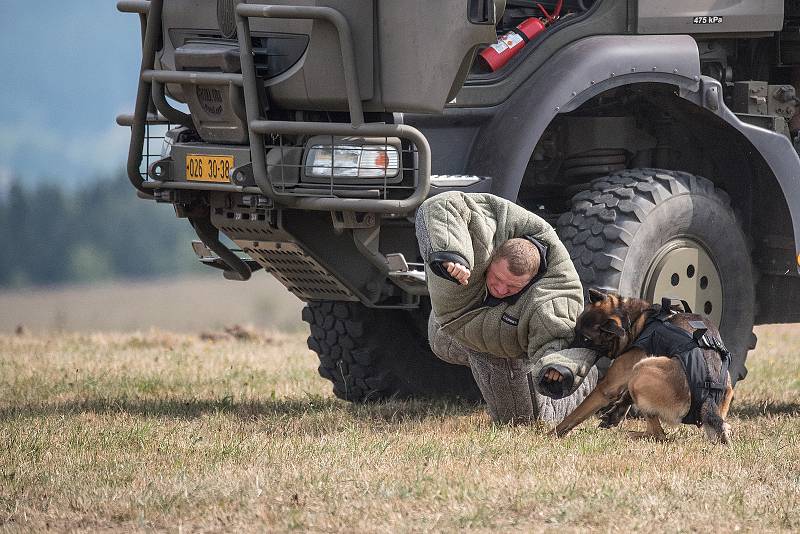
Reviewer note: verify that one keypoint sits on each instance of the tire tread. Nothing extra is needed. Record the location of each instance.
(619, 204)
(364, 366)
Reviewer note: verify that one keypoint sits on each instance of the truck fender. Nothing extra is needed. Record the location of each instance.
(575, 74)
(593, 65)
(776, 149)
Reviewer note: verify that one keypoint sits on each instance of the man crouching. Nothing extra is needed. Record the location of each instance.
(505, 297)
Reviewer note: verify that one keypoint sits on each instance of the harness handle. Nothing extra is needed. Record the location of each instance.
(666, 304)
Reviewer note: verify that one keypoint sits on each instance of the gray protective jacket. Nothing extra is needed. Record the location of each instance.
(538, 323)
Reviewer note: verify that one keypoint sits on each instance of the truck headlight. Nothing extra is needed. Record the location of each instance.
(352, 161)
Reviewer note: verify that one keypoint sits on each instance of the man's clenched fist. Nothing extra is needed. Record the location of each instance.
(457, 271)
(553, 376)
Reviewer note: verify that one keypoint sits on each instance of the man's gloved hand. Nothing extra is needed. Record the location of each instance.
(559, 373)
(556, 381)
(553, 375)
(457, 271)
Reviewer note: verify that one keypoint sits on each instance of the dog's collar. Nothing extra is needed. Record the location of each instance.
(626, 324)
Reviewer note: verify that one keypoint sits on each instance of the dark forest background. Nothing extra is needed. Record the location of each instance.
(50, 234)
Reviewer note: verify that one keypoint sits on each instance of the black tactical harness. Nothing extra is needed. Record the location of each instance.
(660, 337)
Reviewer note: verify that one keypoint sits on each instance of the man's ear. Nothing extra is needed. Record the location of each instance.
(595, 295)
(611, 327)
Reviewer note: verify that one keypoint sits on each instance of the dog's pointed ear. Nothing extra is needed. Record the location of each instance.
(595, 296)
(611, 327)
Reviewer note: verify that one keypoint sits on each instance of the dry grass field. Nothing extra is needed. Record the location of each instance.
(161, 431)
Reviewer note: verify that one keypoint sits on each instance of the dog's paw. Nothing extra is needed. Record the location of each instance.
(610, 419)
(722, 436)
(559, 432)
(725, 435)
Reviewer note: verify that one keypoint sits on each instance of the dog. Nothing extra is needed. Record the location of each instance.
(656, 383)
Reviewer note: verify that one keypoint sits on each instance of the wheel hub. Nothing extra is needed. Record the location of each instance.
(683, 269)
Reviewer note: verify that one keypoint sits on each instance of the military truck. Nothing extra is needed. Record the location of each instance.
(659, 138)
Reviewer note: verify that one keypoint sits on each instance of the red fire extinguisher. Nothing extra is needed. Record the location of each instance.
(495, 56)
(507, 46)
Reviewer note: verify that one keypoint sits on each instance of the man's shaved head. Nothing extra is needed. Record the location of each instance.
(522, 256)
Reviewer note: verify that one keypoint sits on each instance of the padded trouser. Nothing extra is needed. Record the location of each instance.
(506, 383)
(507, 387)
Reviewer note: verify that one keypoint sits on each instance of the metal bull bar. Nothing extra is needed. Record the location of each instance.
(150, 97)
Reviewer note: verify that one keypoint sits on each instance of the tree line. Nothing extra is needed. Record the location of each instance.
(52, 235)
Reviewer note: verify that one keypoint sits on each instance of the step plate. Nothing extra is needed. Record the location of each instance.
(299, 272)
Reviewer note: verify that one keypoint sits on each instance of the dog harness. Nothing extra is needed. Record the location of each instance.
(661, 337)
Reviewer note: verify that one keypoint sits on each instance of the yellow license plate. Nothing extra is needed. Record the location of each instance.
(203, 168)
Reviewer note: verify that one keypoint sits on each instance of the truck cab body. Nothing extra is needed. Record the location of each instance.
(658, 138)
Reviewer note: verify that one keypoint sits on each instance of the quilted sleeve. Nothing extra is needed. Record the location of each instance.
(443, 232)
(551, 331)
(520, 222)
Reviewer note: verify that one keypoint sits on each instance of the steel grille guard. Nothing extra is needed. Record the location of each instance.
(153, 108)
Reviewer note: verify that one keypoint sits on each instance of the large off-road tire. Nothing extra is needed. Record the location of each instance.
(372, 355)
(650, 233)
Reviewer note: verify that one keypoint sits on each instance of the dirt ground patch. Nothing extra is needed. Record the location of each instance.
(182, 304)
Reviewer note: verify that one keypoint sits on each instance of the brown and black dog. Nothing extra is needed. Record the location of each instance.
(656, 384)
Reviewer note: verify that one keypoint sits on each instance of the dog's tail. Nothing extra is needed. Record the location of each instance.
(717, 430)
